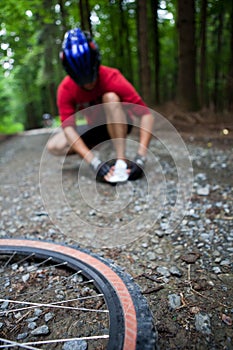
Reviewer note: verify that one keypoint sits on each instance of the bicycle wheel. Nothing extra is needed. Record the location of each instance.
(122, 318)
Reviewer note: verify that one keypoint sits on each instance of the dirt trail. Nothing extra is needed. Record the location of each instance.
(186, 274)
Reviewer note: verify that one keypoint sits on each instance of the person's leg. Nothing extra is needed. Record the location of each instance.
(91, 135)
(116, 120)
(58, 145)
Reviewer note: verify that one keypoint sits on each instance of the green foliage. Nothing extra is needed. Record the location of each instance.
(8, 126)
(32, 32)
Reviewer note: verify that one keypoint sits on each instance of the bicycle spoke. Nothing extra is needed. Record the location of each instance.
(24, 301)
(34, 305)
(53, 294)
(10, 343)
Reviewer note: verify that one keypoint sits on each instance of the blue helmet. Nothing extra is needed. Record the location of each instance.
(80, 56)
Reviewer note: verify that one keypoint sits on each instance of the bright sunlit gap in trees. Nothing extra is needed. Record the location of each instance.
(29, 13)
(163, 13)
(7, 61)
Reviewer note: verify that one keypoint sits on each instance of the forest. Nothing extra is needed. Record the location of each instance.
(176, 50)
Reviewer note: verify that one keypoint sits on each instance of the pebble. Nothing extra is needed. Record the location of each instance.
(26, 277)
(159, 233)
(17, 315)
(202, 323)
(163, 271)
(4, 305)
(37, 312)
(151, 256)
(217, 270)
(175, 271)
(225, 262)
(21, 336)
(32, 325)
(48, 316)
(42, 330)
(203, 191)
(32, 319)
(211, 231)
(174, 301)
(75, 345)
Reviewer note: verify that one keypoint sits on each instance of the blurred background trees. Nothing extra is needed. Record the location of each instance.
(176, 50)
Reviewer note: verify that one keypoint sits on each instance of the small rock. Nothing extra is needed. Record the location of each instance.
(175, 271)
(144, 245)
(5, 305)
(205, 237)
(190, 258)
(26, 277)
(203, 191)
(48, 316)
(137, 208)
(159, 233)
(201, 177)
(42, 330)
(22, 336)
(217, 270)
(217, 260)
(225, 262)
(174, 301)
(194, 310)
(75, 345)
(163, 271)
(202, 323)
(37, 312)
(32, 325)
(159, 251)
(32, 319)
(14, 267)
(151, 256)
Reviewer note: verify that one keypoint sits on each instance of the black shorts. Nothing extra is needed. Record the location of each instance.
(93, 136)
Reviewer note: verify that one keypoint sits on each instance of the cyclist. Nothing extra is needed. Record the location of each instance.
(89, 83)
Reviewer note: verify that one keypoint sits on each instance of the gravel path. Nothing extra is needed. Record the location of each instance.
(172, 230)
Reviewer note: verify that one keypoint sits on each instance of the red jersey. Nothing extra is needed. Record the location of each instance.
(72, 98)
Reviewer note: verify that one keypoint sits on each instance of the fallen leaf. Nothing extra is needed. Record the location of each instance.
(226, 319)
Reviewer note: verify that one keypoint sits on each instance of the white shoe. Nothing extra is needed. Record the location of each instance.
(120, 172)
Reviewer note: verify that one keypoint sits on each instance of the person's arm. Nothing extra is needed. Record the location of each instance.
(77, 144)
(138, 164)
(100, 168)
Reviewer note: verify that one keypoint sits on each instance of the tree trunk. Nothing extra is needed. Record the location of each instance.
(203, 92)
(187, 92)
(31, 121)
(230, 74)
(143, 50)
(85, 15)
(125, 52)
(154, 11)
(217, 96)
(50, 52)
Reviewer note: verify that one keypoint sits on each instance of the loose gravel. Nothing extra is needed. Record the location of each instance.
(185, 273)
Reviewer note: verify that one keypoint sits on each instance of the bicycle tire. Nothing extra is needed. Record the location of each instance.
(131, 321)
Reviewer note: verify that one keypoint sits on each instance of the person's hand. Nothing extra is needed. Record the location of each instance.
(100, 168)
(137, 167)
